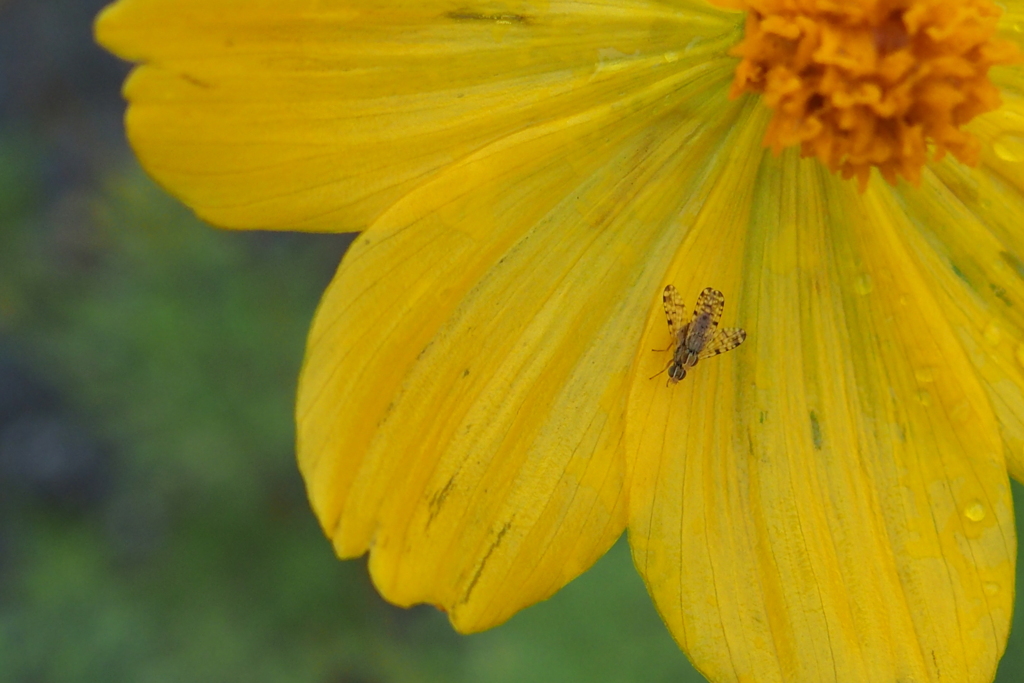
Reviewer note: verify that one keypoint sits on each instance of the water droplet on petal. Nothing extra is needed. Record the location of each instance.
(863, 285)
(993, 335)
(924, 398)
(975, 511)
(990, 588)
(961, 412)
(1009, 147)
(924, 375)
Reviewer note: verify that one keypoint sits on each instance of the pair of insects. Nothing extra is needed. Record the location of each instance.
(699, 338)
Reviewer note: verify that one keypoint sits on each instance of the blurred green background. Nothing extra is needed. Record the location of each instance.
(153, 525)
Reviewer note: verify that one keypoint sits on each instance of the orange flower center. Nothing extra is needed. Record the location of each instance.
(862, 83)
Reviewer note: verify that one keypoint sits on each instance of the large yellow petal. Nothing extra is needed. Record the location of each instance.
(828, 502)
(970, 242)
(320, 115)
(461, 408)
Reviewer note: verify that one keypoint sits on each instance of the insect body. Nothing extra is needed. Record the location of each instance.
(700, 338)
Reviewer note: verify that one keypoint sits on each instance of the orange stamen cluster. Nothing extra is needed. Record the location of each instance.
(863, 83)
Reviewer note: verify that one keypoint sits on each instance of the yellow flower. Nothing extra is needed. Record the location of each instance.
(830, 501)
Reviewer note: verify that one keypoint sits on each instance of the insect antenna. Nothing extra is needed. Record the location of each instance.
(662, 370)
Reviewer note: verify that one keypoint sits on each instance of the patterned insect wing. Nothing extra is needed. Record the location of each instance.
(727, 339)
(706, 315)
(675, 310)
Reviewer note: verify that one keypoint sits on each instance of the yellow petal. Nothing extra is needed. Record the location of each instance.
(461, 408)
(829, 501)
(968, 240)
(321, 115)
(1011, 25)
